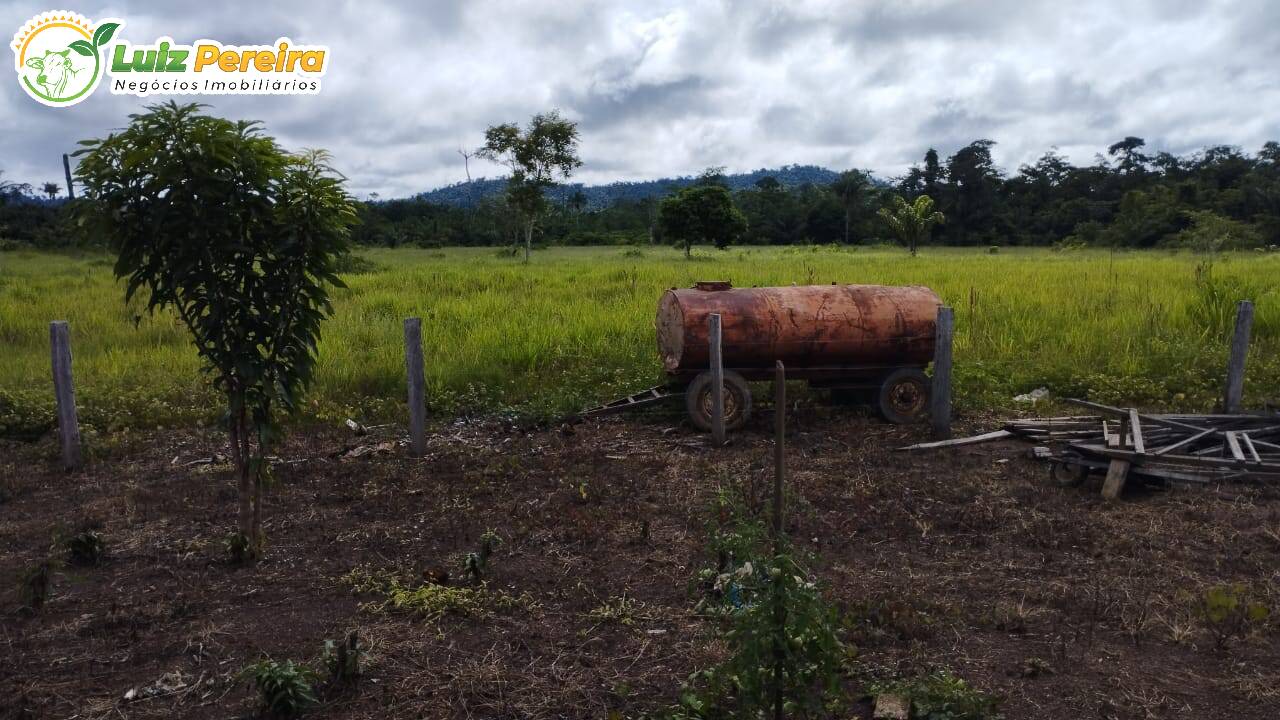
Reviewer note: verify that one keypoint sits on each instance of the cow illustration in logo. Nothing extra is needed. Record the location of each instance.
(58, 56)
(56, 71)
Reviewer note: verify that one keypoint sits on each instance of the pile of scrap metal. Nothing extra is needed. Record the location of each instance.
(1161, 449)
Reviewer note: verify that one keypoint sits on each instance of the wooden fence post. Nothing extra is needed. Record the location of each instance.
(66, 168)
(417, 390)
(1239, 350)
(717, 379)
(64, 390)
(940, 394)
(779, 479)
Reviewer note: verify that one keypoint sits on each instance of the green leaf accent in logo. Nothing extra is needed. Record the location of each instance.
(102, 35)
(82, 47)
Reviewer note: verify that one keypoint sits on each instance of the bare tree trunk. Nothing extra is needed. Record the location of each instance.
(239, 452)
(528, 240)
(256, 537)
(688, 245)
(846, 226)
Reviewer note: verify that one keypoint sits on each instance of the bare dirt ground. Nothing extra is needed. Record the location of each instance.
(968, 559)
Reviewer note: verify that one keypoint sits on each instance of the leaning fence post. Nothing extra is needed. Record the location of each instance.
(1239, 350)
(417, 391)
(717, 379)
(64, 390)
(940, 395)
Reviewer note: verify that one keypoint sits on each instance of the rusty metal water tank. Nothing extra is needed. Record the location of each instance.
(804, 326)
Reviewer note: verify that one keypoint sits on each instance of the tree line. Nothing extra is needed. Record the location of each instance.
(1221, 196)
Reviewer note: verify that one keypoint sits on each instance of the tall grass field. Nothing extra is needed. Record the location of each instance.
(576, 326)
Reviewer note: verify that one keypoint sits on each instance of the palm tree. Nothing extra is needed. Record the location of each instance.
(911, 222)
(50, 189)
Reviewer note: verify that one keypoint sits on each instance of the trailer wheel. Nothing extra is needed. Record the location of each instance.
(737, 401)
(904, 396)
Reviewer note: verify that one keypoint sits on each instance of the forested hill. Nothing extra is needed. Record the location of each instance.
(600, 196)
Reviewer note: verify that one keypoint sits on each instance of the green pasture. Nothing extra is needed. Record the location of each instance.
(576, 326)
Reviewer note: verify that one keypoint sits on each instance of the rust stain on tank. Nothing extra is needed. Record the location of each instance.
(804, 326)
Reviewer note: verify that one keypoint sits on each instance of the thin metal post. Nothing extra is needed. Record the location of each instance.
(417, 390)
(1239, 351)
(940, 394)
(717, 379)
(64, 391)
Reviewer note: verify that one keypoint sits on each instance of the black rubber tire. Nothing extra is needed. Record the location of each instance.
(904, 396)
(1066, 474)
(737, 401)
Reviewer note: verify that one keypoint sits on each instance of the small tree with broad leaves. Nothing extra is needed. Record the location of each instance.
(538, 156)
(911, 222)
(701, 213)
(211, 218)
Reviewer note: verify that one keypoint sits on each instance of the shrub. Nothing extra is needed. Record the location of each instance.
(430, 601)
(757, 586)
(86, 548)
(1229, 612)
(940, 695)
(284, 688)
(623, 610)
(475, 562)
(34, 584)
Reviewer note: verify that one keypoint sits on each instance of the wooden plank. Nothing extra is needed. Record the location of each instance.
(717, 380)
(1233, 444)
(956, 442)
(1109, 438)
(417, 386)
(1264, 444)
(1135, 428)
(940, 395)
(1117, 473)
(1248, 445)
(1239, 351)
(65, 394)
(1178, 459)
(1183, 442)
(1124, 413)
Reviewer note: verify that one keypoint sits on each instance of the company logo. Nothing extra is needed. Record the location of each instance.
(61, 57)
(58, 56)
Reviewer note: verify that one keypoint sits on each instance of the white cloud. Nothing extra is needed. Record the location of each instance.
(663, 88)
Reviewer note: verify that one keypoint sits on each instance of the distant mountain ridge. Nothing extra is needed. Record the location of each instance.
(467, 194)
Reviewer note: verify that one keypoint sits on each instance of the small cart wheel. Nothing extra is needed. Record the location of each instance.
(737, 401)
(904, 396)
(1065, 473)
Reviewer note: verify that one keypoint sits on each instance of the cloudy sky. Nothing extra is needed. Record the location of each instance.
(668, 88)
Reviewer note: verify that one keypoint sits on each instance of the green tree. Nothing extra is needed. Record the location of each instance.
(1129, 153)
(545, 152)
(50, 189)
(1210, 233)
(212, 219)
(701, 213)
(972, 197)
(911, 222)
(851, 187)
